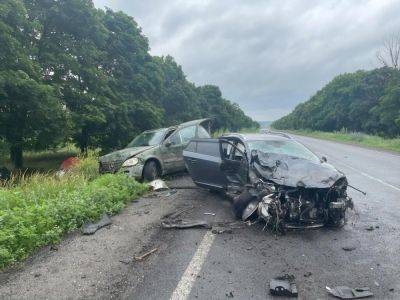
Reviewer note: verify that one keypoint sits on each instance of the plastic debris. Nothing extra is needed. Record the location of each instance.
(344, 292)
(158, 185)
(283, 286)
(91, 228)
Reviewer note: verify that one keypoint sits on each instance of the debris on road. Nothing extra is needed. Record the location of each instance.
(308, 274)
(283, 286)
(229, 295)
(349, 248)
(344, 292)
(158, 185)
(184, 224)
(145, 255)
(220, 230)
(91, 228)
(209, 214)
(126, 261)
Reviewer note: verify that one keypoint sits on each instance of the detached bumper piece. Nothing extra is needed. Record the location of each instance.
(283, 286)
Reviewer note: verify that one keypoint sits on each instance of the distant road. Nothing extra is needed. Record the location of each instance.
(195, 264)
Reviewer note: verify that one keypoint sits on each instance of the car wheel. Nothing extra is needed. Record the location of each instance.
(151, 171)
(241, 202)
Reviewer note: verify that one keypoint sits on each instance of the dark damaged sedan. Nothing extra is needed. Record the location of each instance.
(272, 178)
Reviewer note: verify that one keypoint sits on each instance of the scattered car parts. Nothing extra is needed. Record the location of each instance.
(283, 286)
(344, 292)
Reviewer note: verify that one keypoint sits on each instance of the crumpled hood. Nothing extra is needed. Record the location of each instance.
(295, 172)
(124, 154)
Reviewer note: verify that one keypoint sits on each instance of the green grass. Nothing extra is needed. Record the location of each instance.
(37, 210)
(354, 138)
(39, 161)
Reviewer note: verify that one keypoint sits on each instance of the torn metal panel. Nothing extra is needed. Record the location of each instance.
(344, 292)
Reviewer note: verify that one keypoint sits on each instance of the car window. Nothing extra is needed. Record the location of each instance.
(187, 133)
(148, 138)
(226, 150)
(238, 151)
(191, 147)
(202, 132)
(208, 148)
(175, 139)
(285, 147)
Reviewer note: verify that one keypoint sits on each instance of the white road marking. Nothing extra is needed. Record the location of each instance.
(372, 177)
(185, 285)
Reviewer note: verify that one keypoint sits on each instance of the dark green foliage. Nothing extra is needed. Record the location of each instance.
(95, 65)
(41, 208)
(366, 101)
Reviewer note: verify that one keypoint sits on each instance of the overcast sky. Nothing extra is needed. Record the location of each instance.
(267, 56)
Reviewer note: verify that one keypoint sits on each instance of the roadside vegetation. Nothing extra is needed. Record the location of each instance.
(37, 210)
(71, 72)
(374, 141)
(364, 101)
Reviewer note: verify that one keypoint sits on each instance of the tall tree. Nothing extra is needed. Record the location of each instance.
(30, 112)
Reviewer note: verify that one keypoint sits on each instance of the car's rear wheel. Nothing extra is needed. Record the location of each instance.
(151, 171)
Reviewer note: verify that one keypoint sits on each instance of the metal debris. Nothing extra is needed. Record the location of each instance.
(184, 224)
(209, 214)
(91, 228)
(283, 286)
(349, 248)
(158, 185)
(220, 230)
(143, 256)
(344, 292)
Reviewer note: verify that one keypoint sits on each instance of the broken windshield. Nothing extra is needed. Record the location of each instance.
(290, 148)
(148, 138)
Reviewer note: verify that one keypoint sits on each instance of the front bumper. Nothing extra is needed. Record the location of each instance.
(133, 171)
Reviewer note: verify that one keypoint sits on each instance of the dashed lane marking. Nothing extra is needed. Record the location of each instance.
(185, 285)
(372, 177)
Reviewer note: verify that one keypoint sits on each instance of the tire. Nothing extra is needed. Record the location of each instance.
(240, 203)
(151, 171)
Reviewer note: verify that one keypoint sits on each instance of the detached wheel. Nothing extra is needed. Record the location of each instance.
(151, 171)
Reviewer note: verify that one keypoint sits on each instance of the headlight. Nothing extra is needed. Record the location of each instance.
(130, 162)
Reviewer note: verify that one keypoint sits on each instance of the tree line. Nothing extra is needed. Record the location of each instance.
(71, 72)
(364, 101)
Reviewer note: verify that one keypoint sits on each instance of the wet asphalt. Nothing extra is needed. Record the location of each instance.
(239, 265)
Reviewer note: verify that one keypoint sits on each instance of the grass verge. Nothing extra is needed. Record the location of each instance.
(37, 210)
(354, 138)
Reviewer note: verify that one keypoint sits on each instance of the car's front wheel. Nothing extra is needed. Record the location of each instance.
(151, 171)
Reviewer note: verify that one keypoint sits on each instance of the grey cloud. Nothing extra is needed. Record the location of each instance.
(267, 56)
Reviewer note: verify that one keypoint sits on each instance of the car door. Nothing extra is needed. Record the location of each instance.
(203, 161)
(173, 147)
(234, 165)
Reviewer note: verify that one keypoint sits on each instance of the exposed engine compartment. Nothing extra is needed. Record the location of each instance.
(282, 207)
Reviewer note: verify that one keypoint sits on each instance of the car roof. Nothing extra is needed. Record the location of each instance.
(193, 122)
(259, 136)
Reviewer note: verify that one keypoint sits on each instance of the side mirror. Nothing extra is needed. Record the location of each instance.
(324, 159)
(167, 144)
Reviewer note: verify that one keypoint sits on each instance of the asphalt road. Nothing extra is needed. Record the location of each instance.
(196, 264)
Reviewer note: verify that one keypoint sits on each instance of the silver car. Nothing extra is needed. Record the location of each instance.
(154, 153)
